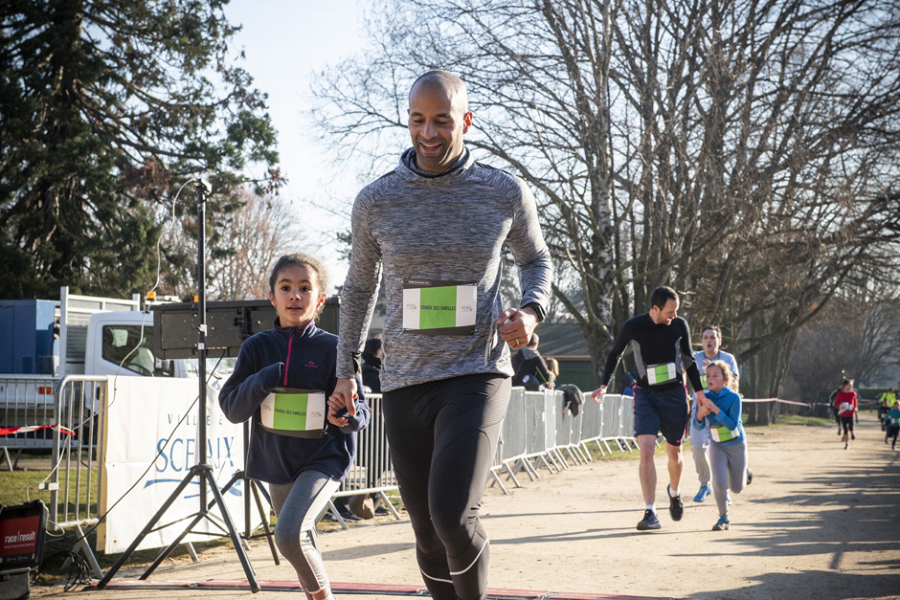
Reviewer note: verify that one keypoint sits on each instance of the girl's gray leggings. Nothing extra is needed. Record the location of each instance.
(729, 471)
(297, 505)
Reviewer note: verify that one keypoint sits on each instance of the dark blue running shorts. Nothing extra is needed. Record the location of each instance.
(665, 411)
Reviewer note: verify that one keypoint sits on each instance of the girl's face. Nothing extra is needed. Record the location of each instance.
(296, 296)
(715, 379)
(848, 387)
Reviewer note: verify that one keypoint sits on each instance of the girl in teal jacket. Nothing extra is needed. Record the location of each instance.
(728, 447)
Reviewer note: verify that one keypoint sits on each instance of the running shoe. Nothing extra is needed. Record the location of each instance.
(852, 436)
(676, 505)
(846, 446)
(705, 491)
(350, 517)
(649, 521)
(722, 524)
(749, 476)
(382, 512)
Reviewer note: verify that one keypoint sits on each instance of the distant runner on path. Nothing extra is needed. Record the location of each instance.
(846, 404)
(658, 345)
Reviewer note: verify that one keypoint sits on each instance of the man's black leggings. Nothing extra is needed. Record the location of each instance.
(443, 436)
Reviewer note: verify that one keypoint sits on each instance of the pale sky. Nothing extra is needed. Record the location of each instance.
(285, 42)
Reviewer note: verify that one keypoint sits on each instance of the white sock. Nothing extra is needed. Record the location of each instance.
(652, 508)
(673, 493)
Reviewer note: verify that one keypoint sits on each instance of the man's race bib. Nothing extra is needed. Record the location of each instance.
(294, 412)
(658, 374)
(439, 307)
(723, 434)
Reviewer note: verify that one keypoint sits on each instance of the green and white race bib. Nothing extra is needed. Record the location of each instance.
(439, 307)
(658, 374)
(294, 412)
(723, 434)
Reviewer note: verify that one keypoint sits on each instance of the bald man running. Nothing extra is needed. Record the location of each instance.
(437, 225)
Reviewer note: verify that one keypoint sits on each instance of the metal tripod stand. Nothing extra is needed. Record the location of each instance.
(202, 470)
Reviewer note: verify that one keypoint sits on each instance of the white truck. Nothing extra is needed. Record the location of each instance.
(42, 342)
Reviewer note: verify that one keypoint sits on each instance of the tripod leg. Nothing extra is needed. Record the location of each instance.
(238, 476)
(171, 547)
(235, 538)
(147, 528)
(205, 513)
(200, 515)
(264, 515)
(248, 484)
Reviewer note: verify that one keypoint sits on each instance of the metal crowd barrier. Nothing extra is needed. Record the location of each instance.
(25, 401)
(75, 476)
(537, 433)
(74, 479)
(372, 473)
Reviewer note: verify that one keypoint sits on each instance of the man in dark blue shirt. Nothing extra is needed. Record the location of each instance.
(656, 345)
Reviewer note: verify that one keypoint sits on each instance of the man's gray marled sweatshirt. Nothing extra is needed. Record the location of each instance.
(449, 227)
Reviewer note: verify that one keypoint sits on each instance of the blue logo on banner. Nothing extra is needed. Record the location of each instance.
(178, 456)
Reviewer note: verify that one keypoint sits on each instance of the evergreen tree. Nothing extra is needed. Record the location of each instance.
(106, 108)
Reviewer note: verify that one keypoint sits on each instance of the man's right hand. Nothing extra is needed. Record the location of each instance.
(597, 395)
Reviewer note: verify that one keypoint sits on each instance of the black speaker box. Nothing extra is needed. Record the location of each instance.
(228, 324)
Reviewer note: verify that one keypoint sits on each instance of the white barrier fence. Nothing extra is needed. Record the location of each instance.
(535, 435)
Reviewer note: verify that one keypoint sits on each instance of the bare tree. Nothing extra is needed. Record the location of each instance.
(856, 337)
(723, 148)
(264, 228)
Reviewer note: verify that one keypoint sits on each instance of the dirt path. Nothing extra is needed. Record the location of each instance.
(818, 522)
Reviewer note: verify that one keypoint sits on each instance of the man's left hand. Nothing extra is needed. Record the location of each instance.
(517, 325)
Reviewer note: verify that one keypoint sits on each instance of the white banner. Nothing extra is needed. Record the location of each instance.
(142, 414)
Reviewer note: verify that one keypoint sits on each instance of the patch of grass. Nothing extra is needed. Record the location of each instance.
(18, 487)
(624, 455)
(804, 420)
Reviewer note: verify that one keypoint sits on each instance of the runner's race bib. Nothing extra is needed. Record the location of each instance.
(294, 412)
(439, 307)
(844, 407)
(723, 434)
(659, 374)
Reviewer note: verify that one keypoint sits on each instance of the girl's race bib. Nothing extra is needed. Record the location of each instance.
(723, 434)
(294, 412)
